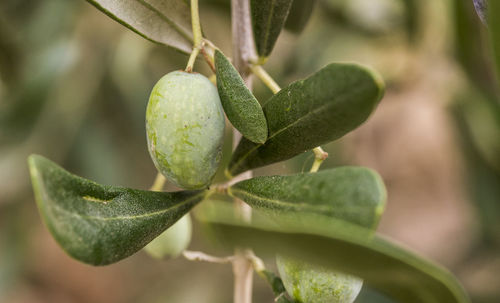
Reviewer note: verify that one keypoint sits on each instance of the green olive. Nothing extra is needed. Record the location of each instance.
(185, 127)
(313, 284)
(173, 241)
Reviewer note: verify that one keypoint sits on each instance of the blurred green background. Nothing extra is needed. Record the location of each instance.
(74, 85)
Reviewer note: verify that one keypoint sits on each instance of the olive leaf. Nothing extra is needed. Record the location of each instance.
(166, 22)
(477, 117)
(469, 44)
(494, 28)
(413, 18)
(99, 224)
(481, 122)
(268, 18)
(240, 105)
(336, 244)
(311, 112)
(299, 15)
(353, 194)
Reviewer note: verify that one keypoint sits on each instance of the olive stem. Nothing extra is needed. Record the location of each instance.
(257, 263)
(262, 74)
(210, 44)
(197, 35)
(243, 53)
(192, 59)
(319, 156)
(201, 256)
(209, 58)
(244, 50)
(158, 183)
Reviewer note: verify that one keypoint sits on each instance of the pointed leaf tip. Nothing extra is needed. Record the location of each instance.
(353, 194)
(494, 29)
(100, 224)
(268, 18)
(385, 266)
(312, 112)
(299, 15)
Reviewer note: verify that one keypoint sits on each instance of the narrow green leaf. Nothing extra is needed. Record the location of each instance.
(240, 105)
(471, 47)
(99, 224)
(385, 266)
(353, 194)
(312, 112)
(166, 22)
(268, 18)
(299, 15)
(413, 18)
(494, 27)
(480, 116)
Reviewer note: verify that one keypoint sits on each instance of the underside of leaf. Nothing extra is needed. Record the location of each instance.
(384, 266)
(166, 22)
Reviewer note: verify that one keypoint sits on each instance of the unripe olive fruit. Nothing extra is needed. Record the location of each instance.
(185, 128)
(313, 284)
(173, 241)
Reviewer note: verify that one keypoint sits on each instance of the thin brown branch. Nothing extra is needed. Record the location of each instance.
(243, 53)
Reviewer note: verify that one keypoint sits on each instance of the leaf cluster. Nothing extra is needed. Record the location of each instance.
(327, 218)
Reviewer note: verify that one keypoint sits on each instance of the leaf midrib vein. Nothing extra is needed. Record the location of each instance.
(268, 26)
(146, 215)
(166, 19)
(245, 156)
(295, 204)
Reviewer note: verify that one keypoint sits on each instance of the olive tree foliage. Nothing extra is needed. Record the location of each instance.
(321, 224)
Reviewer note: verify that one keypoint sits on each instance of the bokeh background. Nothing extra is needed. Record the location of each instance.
(74, 85)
